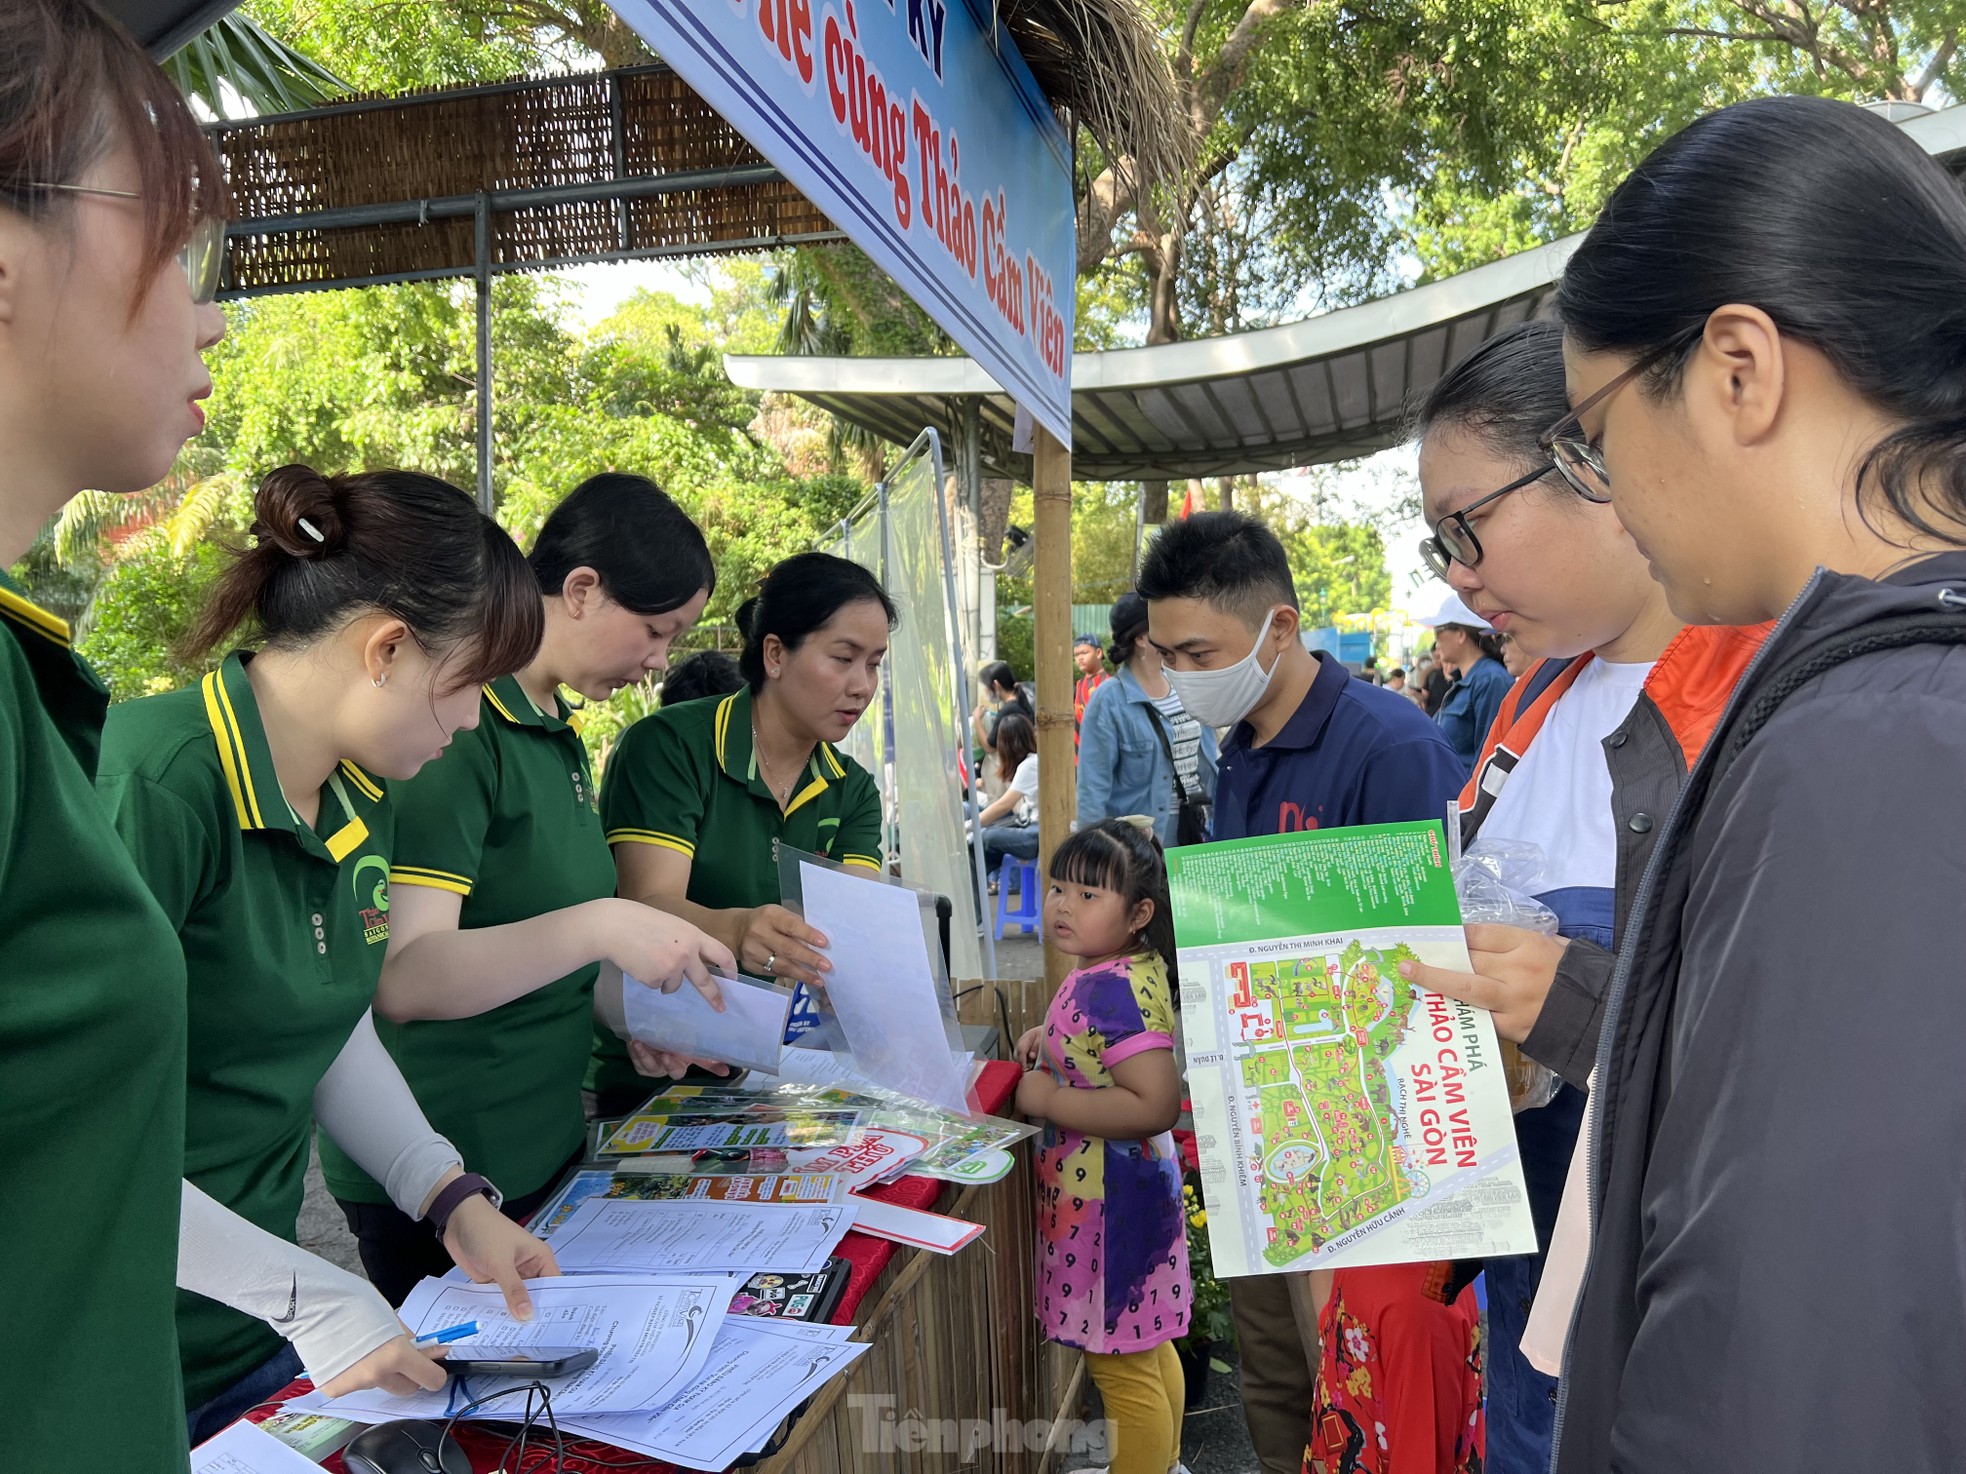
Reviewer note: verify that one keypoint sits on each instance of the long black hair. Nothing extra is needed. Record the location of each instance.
(1839, 227)
(799, 596)
(1506, 392)
(650, 557)
(1117, 856)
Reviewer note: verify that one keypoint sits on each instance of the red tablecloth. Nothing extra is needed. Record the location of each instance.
(869, 1257)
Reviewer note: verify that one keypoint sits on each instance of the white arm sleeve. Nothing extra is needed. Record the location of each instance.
(364, 1103)
(333, 1318)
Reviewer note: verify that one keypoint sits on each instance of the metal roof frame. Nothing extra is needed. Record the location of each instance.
(1324, 389)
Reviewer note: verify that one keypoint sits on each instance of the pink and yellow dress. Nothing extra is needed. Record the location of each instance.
(1112, 1247)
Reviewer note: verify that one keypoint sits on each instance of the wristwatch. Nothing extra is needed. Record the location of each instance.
(470, 1185)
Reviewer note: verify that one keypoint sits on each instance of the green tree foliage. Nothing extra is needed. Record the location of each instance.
(380, 377)
(143, 609)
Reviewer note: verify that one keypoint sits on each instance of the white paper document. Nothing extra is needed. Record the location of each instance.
(882, 987)
(934, 1231)
(619, 1235)
(749, 1032)
(758, 1373)
(654, 1334)
(244, 1449)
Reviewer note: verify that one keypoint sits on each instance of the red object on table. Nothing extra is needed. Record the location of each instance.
(868, 1256)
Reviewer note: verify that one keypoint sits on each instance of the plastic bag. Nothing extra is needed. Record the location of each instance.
(1496, 881)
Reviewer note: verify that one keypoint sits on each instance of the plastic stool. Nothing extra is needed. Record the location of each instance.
(1025, 915)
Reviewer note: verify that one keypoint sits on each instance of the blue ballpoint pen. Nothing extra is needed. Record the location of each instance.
(448, 1334)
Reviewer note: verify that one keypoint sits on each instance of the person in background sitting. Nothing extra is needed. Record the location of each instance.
(1001, 695)
(1010, 823)
(706, 673)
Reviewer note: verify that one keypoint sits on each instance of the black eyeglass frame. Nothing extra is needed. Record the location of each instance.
(1567, 452)
(1435, 550)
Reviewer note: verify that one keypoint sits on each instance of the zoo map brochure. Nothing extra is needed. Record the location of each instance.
(1343, 1116)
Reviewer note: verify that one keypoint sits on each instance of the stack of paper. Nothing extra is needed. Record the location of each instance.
(616, 1235)
(244, 1449)
(761, 1370)
(654, 1334)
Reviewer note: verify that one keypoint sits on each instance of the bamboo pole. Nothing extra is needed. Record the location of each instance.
(1051, 487)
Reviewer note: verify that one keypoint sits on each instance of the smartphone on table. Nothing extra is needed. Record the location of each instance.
(467, 1360)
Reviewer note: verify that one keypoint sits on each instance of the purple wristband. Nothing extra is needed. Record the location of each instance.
(470, 1185)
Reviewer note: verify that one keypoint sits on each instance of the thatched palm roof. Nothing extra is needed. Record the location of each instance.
(1101, 63)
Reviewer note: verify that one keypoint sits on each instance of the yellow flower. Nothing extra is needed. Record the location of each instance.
(1201, 1219)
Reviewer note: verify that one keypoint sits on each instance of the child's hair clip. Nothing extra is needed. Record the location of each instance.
(1140, 822)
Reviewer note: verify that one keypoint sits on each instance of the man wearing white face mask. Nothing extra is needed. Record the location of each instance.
(1312, 748)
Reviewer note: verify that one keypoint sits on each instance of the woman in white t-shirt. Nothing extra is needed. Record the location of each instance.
(1010, 823)
(1583, 760)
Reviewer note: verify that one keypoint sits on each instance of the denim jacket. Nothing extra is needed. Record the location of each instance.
(1470, 706)
(1123, 768)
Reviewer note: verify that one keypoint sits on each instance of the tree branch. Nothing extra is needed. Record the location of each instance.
(1935, 68)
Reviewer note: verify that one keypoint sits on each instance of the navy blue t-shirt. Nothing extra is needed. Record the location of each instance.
(1352, 753)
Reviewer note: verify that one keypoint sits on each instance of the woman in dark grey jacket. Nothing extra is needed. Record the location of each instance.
(1766, 344)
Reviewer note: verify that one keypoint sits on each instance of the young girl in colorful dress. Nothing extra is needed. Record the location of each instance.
(1102, 1078)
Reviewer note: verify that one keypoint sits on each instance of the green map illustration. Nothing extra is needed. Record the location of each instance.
(1310, 1037)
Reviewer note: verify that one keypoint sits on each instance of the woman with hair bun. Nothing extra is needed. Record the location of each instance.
(696, 796)
(255, 807)
(1765, 337)
(112, 212)
(503, 894)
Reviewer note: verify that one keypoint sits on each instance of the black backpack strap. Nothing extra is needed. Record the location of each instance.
(1896, 633)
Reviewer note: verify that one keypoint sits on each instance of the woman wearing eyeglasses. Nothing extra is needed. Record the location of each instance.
(1583, 761)
(1766, 351)
(104, 179)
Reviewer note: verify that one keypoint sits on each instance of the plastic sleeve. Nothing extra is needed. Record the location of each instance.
(332, 1317)
(364, 1103)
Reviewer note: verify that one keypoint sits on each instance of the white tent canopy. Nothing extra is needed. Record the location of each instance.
(1325, 389)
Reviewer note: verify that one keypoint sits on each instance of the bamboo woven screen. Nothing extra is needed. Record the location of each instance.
(531, 134)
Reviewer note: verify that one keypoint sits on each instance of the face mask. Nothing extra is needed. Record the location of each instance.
(1221, 698)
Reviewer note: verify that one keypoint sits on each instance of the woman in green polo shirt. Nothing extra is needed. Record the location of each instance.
(106, 187)
(695, 795)
(383, 602)
(503, 892)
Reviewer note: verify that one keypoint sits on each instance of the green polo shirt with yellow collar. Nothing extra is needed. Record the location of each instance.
(509, 820)
(283, 928)
(91, 1085)
(686, 779)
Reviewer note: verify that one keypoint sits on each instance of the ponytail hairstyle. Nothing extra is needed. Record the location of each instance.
(74, 85)
(799, 596)
(1840, 228)
(1016, 740)
(1487, 641)
(650, 557)
(1129, 625)
(330, 549)
(1120, 855)
(1506, 393)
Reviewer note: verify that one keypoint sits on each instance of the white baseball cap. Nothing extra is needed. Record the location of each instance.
(1453, 611)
